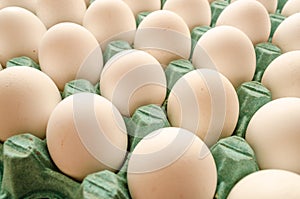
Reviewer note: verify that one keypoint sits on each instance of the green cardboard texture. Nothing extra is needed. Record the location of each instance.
(216, 8)
(115, 47)
(78, 86)
(22, 61)
(276, 20)
(140, 17)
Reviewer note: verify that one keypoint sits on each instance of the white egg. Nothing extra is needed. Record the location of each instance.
(204, 102)
(52, 12)
(86, 134)
(27, 4)
(249, 16)
(231, 53)
(27, 98)
(68, 51)
(267, 184)
(171, 163)
(286, 36)
(291, 7)
(194, 12)
(270, 5)
(273, 133)
(110, 20)
(20, 35)
(138, 6)
(131, 79)
(164, 35)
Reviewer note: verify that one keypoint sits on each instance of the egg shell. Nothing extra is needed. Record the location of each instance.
(204, 102)
(273, 133)
(27, 4)
(249, 16)
(110, 20)
(286, 36)
(291, 7)
(86, 134)
(230, 51)
(270, 5)
(20, 35)
(131, 79)
(171, 163)
(138, 6)
(267, 184)
(164, 35)
(68, 51)
(194, 12)
(27, 98)
(282, 75)
(52, 12)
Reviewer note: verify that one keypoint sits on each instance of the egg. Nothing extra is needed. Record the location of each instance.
(87, 2)
(131, 79)
(230, 51)
(171, 163)
(20, 35)
(204, 102)
(284, 81)
(68, 51)
(194, 12)
(164, 35)
(27, 98)
(249, 16)
(27, 4)
(286, 36)
(270, 5)
(110, 20)
(86, 134)
(291, 7)
(52, 12)
(138, 6)
(273, 133)
(267, 184)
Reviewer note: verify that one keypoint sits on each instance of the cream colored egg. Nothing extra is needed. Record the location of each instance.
(138, 6)
(291, 7)
(20, 35)
(267, 184)
(165, 35)
(249, 16)
(110, 20)
(171, 163)
(27, 4)
(27, 98)
(270, 5)
(286, 36)
(1, 68)
(86, 134)
(52, 12)
(132, 79)
(273, 133)
(204, 102)
(194, 12)
(282, 75)
(68, 51)
(230, 51)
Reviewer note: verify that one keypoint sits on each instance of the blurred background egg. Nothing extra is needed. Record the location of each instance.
(204, 102)
(86, 134)
(249, 16)
(68, 51)
(110, 20)
(171, 163)
(273, 133)
(282, 75)
(194, 12)
(131, 79)
(267, 184)
(20, 35)
(270, 5)
(231, 52)
(286, 36)
(138, 6)
(27, 4)
(164, 35)
(27, 98)
(52, 12)
(291, 7)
